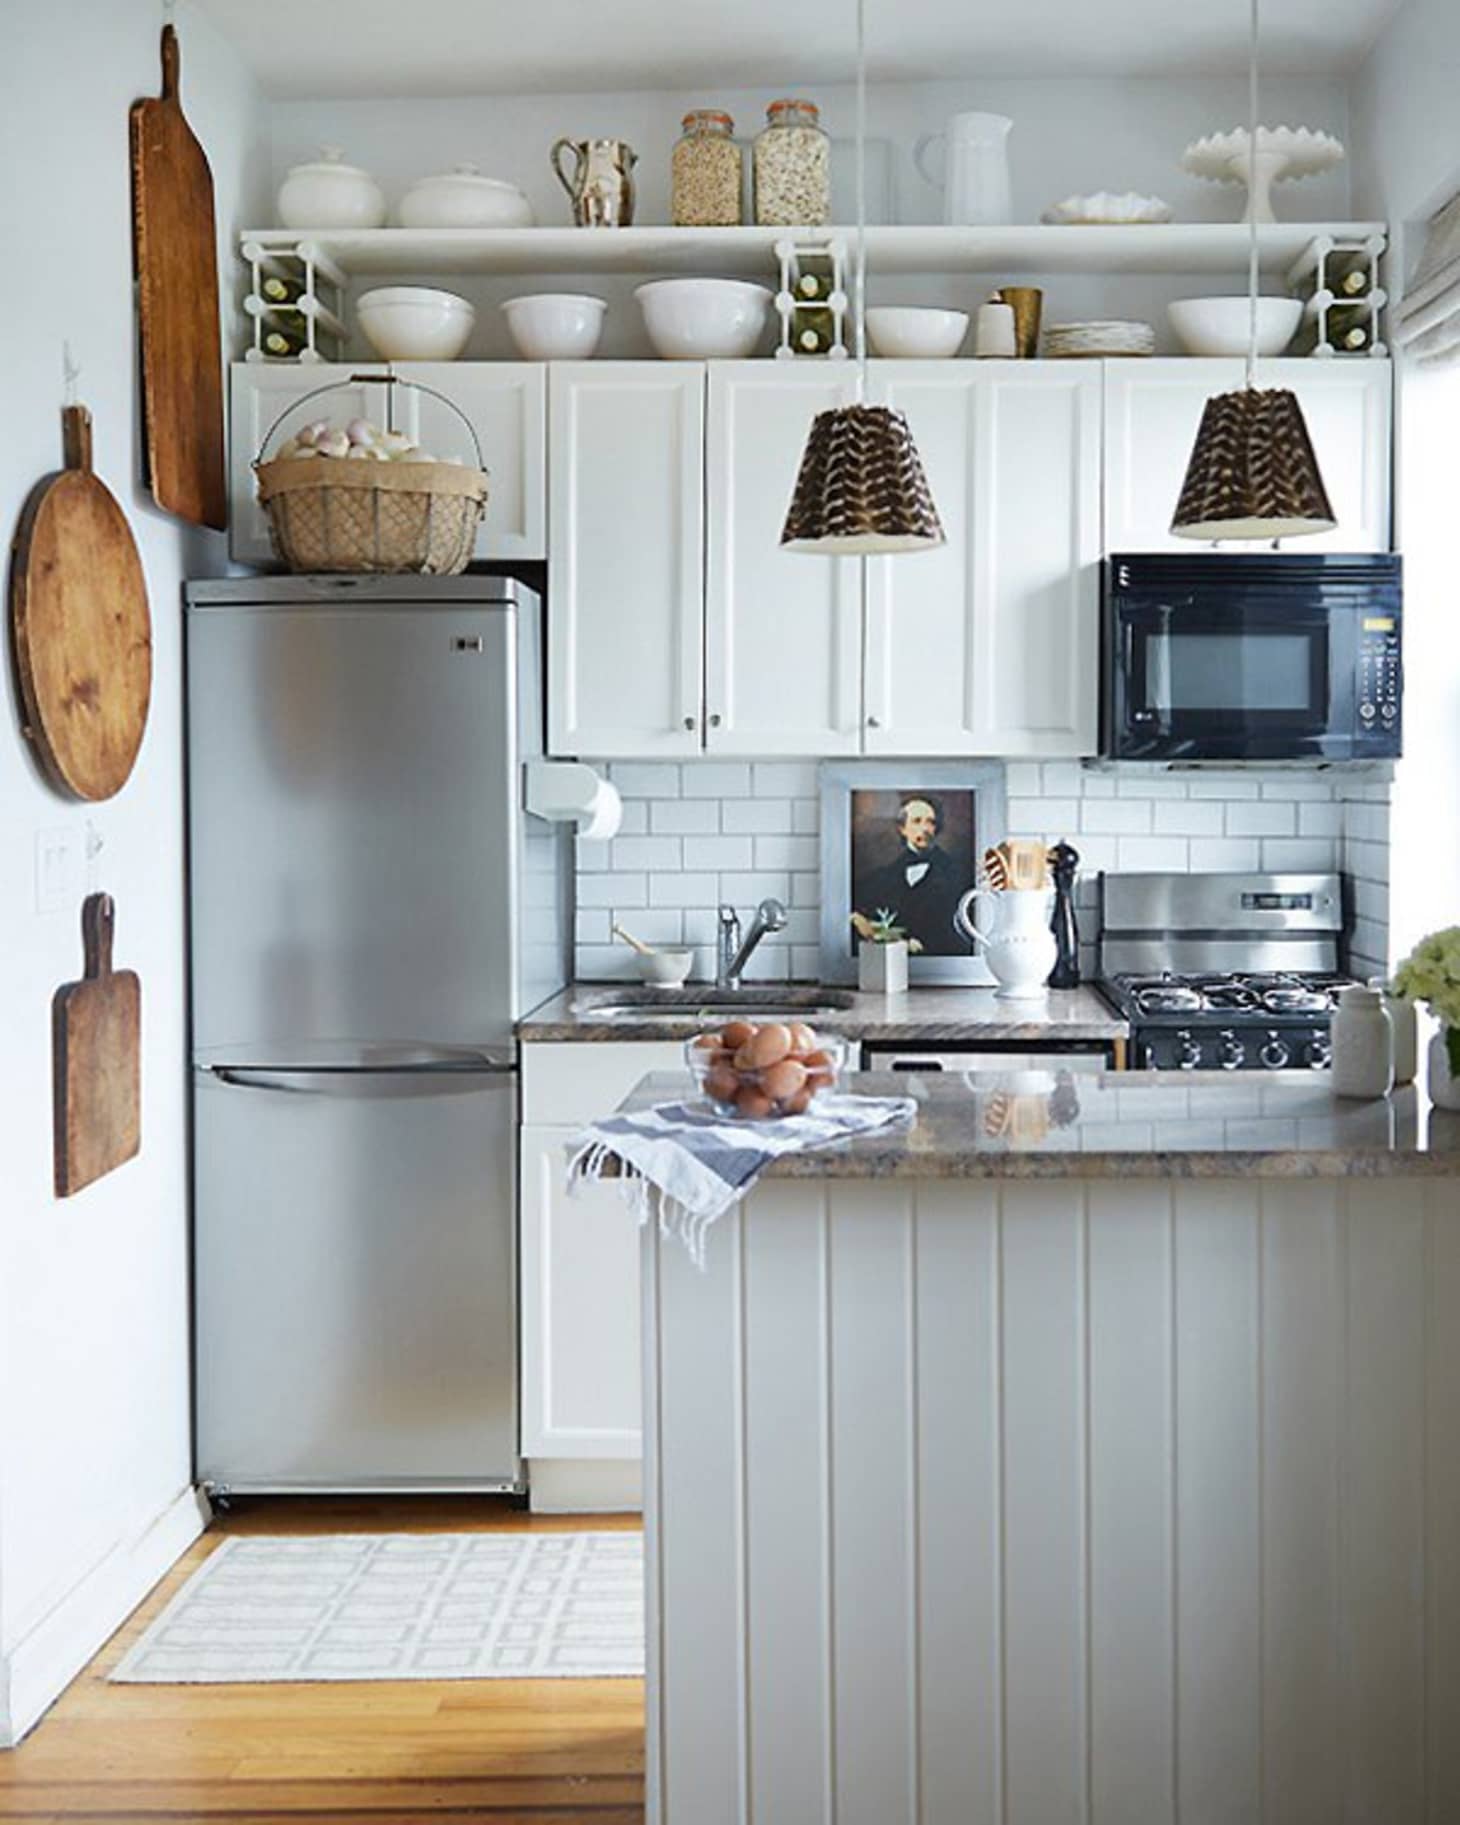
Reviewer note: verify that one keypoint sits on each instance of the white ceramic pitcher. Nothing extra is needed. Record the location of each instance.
(1019, 948)
(975, 174)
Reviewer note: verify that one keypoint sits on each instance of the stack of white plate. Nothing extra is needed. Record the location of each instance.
(1072, 341)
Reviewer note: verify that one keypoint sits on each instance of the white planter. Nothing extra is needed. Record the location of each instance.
(1444, 1083)
(882, 968)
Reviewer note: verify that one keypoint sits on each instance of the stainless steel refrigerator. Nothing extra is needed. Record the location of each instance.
(371, 911)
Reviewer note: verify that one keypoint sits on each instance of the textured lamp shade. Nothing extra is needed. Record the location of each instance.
(1252, 474)
(861, 487)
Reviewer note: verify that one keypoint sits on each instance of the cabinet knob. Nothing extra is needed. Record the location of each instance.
(689, 722)
(873, 723)
(715, 720)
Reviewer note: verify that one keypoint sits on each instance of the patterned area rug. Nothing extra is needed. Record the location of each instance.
(402, 1606)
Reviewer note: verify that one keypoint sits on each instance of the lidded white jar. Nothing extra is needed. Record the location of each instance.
(330, 194)
(1363, 1044)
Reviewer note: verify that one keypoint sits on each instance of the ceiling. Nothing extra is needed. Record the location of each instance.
(304, 48)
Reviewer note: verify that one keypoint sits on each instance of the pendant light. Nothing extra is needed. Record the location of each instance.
(861, 489)
(1253, 473)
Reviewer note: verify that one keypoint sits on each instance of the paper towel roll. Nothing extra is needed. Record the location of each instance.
(604, 814)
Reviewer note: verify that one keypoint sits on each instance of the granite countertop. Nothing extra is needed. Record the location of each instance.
(1126, 1125)
(926, 1014)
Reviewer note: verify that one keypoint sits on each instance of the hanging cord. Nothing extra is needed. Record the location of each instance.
(70, 374)
(1252, 197)
(859, 280)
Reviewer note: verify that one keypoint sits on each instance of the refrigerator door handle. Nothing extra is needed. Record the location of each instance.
(438, 1081)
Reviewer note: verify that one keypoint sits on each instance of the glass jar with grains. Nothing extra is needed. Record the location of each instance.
(705, 173)
(792, 165)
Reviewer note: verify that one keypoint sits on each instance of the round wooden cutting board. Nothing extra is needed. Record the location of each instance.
(82, 631)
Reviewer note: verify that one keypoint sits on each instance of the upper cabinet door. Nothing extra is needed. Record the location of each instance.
(1153, 409)
(990, 644)
(505, 402)
(626, 557)
(783, 628)
(259, 392)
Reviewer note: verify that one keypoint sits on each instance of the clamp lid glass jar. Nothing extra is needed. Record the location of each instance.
(705, 172)
(792, 167)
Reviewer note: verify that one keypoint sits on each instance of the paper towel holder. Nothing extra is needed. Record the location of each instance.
(567, 791)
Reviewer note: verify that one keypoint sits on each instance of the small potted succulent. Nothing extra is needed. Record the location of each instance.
(1431, 974)
(883, 953)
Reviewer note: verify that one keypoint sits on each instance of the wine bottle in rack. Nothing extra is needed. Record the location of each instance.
(281, 343)
(275, 290)
(814, 329)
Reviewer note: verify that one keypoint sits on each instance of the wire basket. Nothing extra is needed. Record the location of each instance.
(378, 519)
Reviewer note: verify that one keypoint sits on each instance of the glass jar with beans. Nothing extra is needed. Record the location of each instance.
(792, 167)
(705, 172)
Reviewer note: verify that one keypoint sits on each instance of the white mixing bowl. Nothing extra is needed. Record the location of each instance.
(1218, 326)
(414, 323)
(703, 319)
(555, 326)
(916, 333)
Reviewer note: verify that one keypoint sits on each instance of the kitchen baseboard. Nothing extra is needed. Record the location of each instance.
(584, 1485)
(45, 1661)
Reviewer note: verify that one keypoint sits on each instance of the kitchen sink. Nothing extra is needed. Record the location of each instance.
(689, 1004)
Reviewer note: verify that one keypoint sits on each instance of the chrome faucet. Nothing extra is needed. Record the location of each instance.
(731, 955)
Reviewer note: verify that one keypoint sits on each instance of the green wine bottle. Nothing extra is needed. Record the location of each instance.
(282, 343)
(274, 290)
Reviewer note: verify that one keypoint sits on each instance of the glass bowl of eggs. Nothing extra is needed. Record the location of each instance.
(760, 1073)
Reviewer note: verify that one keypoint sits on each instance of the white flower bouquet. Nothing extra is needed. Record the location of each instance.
(1431, 974)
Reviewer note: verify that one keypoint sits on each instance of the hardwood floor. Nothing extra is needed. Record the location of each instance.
(543, 1752)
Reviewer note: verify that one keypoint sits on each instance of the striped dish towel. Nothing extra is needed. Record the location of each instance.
(688, 1165)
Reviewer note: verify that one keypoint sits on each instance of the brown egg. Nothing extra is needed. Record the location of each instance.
(798, 1105)
(803, 1039)
(722, 1085)
(708, 1042)
(784, 1080)
(819, 1065)
(742, 1059)
(770, 1045)
(753, 1103)
(735, 1034)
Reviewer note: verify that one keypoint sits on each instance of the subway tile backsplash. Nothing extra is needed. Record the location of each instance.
(699, 832)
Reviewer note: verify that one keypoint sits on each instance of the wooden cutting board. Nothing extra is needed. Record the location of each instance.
(80, 625)
(177, 289)
(96, 1029)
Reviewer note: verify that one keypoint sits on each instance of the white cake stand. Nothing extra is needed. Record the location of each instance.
(1282, 152)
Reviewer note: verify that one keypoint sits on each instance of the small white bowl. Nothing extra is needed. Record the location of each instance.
(704, 319)
(413, 323)
(1218, 326)
(555, 326)
(912, 333)
(668, 969)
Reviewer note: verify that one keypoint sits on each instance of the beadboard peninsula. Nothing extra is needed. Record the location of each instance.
(1083, 1450)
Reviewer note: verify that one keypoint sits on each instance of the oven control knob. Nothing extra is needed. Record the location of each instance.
(1275, 1053)
(1317, 1053)
(1188, 1052)
(1230, 1052)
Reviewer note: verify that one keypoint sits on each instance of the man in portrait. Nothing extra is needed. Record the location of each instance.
(921, 886)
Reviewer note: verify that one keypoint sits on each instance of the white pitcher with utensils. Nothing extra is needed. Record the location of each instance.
(975, 175)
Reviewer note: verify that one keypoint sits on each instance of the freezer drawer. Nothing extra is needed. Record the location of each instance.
(355, 1278)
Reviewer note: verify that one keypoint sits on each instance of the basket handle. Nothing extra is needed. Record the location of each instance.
(375, 380)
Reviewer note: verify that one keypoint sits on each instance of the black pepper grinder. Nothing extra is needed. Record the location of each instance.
(1066, 972)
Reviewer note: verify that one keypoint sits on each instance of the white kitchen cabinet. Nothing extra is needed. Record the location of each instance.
(259, 392)
(1153, 409)
(626, 557)
(989, 645)
(783, 629)
(506, 404)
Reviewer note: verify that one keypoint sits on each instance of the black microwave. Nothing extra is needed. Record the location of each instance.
(1269, 657)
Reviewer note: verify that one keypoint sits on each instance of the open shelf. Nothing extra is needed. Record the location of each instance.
(1171, 247)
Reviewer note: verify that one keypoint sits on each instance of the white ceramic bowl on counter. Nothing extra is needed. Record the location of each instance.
(704, 319)
(916, 333)
(463, 198)
(1218, 326)
(330, 194)
(555, 326)
(414, 323)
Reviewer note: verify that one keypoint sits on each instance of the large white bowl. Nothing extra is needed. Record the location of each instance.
(555, 326)
(463, 198)
(703, 319)
(1218, 326)
(414, 323)
(915, 333)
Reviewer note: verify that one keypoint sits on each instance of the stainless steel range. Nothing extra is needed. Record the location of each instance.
(1237, 972)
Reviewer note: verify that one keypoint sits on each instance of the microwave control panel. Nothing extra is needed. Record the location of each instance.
(1379, 682)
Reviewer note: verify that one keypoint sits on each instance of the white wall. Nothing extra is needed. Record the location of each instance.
(95, 1454)
(1408, 163)
(1068, 135)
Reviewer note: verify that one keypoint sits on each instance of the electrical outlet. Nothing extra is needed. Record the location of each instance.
(57, 868)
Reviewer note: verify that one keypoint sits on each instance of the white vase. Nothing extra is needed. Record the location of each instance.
(1019, 946)
(882, 968)
(1362, 1037)
(1444, 1083)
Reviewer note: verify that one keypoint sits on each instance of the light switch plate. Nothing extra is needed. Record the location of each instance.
(57, 868)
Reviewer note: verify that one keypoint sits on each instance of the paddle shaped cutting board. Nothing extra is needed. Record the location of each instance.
(96, 1030)
(177, 292)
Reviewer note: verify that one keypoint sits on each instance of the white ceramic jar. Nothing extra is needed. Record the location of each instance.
(330, 194)
(1405, 1020)
(1362, 1035)
(463, 198)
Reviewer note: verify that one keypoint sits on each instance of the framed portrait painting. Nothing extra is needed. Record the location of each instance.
(901, 843)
